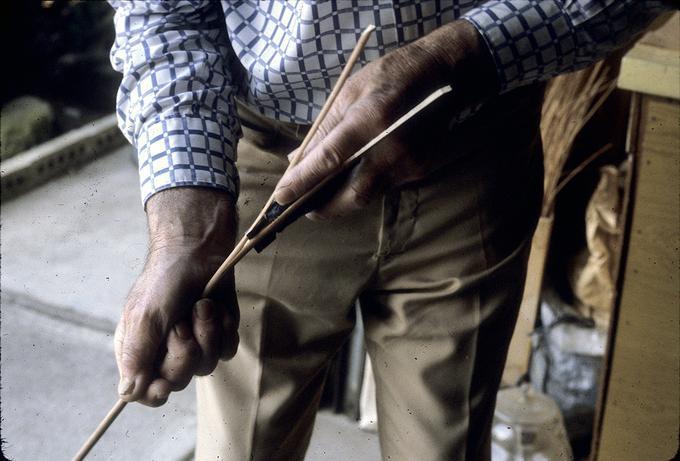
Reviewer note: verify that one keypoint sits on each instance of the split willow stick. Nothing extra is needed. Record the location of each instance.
(249, 244)
(245, 245)
(581, 166)
(346, 71)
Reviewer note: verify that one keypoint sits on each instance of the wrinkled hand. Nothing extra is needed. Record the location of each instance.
(374, 98)
(168, 333)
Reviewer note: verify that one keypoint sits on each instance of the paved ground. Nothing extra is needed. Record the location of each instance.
(70, 251)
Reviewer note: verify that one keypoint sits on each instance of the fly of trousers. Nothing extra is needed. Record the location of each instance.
(439, 268)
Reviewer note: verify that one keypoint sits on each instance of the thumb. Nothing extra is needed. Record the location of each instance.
(138, 339)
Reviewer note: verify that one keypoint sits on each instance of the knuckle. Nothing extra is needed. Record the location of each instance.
(360, 193)
(154, 403)
(329, 159)
(373, 111)
(208, 344)
(177, 378)
(183, 356)
(136, 350)
(379, 116)
(149, 319)
(193, 350)
(174, 367)
(180, 382)
(205, 329)
(207, 366)
(153, 317)
(170, 373)
(322, 131)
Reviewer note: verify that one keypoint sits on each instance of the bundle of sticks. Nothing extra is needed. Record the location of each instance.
(570, 102)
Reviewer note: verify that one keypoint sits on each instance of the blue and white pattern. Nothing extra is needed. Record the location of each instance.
(183, 62)
(534, 40)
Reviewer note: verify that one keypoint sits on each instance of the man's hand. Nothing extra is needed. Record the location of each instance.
(375, 97)
(167, 333)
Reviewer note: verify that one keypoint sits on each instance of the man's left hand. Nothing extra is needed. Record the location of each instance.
(375, 97)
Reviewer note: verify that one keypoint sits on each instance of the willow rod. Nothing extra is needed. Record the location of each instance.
(245, 245)
(249, 244)
(344, 75)
(103, 426)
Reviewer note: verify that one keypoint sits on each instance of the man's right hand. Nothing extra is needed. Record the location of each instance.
(167, 332)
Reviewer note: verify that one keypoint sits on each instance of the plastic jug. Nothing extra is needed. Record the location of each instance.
(528, 426)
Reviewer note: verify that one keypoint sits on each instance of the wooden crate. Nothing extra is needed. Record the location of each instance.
(639, 413)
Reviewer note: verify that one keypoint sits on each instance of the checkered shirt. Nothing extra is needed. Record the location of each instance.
(183, 62)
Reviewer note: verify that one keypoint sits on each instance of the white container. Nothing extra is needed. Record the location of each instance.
(528, 426)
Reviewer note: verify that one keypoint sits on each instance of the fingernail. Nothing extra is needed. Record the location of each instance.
(126, 386)
(283, 196)
(204, 310)
(182, 331)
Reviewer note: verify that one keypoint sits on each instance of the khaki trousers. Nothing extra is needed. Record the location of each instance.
(439, 268)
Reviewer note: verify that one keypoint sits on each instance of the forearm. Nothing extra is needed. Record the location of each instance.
(194, 218)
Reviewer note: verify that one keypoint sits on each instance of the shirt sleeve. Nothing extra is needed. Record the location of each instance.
(175, 101)
(533, 40)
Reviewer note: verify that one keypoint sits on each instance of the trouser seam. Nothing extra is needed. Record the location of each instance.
(477, 292)
(260, 354)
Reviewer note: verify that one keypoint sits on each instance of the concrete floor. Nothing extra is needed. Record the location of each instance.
(70, 251)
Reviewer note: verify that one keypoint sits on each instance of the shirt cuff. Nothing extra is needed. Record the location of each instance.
(186, 151)
(529, 40)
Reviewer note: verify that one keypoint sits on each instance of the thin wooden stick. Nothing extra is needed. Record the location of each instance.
(232, 259)
(351, 161)
(236, 256)
(103, 426)
(580, 167)
(344, 75)
(245, 245)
